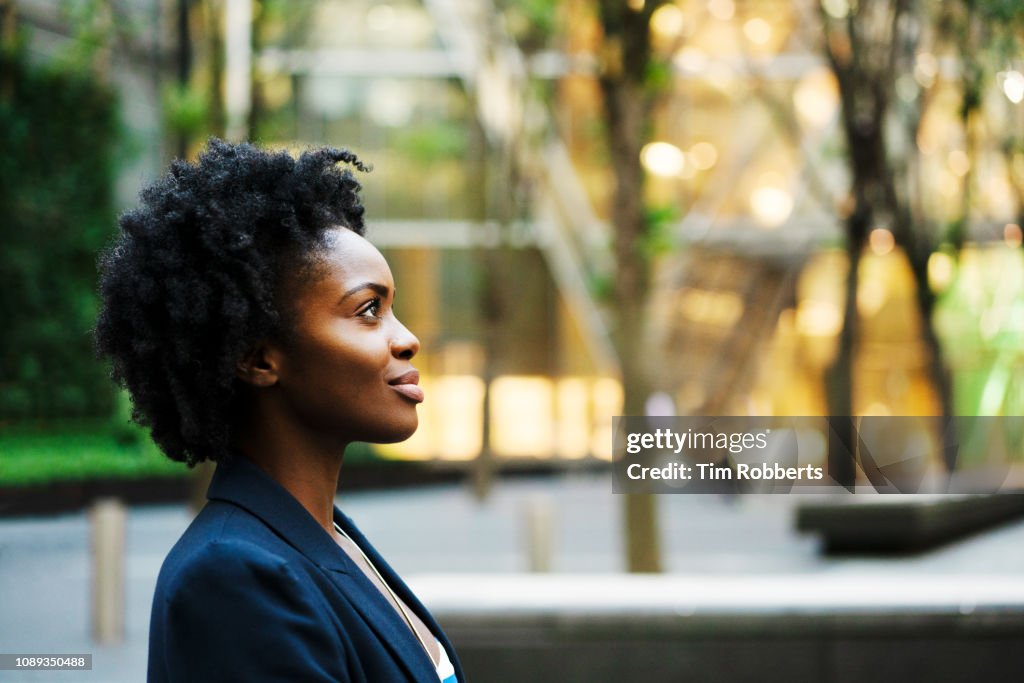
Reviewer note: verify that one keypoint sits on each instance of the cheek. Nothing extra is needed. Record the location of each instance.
(347, 366)
(366, 360)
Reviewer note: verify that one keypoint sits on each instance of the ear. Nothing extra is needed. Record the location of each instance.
(259, 366)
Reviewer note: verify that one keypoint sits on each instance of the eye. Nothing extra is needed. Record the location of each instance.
(371, 309)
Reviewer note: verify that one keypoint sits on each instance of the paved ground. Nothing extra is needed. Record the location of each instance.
(44, 568)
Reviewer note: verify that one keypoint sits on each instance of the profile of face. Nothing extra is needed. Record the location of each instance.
(345, 373)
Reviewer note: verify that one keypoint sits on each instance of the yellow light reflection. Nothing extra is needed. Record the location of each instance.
(707, 307)
(1013, 86)
(926, 67)
(959, 164)
(881, 241)
(837, 9)
(818, 319)
(459, 414)
(668, 21)
(607, 397)
(521, 416)
(999, 196)
(704, 155)
(722, 9)
(871, 296)
(876, 409)
(663, 159)
(1012, 234)
(758, 31)
(572, 429)
(451, 421)
(940, 271)
(690, 59)
(531, 416)
(771, 205)
(817, 98)
(722, 77)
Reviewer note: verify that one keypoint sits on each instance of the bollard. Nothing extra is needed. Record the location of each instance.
(539, 534)
(108, 540)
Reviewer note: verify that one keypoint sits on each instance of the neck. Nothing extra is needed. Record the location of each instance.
(308, 469)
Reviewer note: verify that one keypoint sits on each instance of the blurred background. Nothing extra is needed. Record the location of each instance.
(592, 208)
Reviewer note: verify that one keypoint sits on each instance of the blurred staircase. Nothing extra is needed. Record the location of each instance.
(720, 307)
(717, 304)
(572, 238)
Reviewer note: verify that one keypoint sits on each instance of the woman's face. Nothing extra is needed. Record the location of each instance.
(346, 374)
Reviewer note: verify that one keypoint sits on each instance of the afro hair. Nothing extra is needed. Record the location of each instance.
(188, 286)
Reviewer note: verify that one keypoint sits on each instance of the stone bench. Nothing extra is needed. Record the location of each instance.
(835, 626)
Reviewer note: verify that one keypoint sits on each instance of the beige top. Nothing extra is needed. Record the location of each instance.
(420, 630)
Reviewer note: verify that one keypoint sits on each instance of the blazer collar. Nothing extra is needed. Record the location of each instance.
(402, 634)
(239, 481)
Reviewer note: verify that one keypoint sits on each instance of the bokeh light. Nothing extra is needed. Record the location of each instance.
(881, 241)
(663, 159)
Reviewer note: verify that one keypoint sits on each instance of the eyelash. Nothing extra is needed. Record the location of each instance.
(372, 309)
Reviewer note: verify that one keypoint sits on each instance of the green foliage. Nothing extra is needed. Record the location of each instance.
(988, 34)
(82, 450)
(430, 142)
(89, 21)
(601, 286)
(659, 77)
(660, 222)
(955, 232)
(186, 111)
(1006, 12)
(79, 451)
(58, 132)
(532, 22)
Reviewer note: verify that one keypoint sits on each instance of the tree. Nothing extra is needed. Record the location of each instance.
(630, 89)
(873, 48)
(986, 36)
(868, 44)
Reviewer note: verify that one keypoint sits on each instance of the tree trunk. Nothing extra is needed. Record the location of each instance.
(214, 16)
(8, 36)
(865, 54)
(839, 376)
(628, 102)
(184, 63)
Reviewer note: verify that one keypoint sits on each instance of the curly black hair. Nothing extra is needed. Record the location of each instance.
(188, 286)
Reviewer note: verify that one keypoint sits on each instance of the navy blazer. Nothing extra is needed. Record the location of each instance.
(255, 590)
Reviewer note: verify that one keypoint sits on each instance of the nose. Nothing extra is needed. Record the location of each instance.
(404, 344)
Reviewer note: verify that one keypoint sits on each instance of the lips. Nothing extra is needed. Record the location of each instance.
(407, 385)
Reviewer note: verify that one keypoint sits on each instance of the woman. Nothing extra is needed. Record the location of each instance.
(253, 326)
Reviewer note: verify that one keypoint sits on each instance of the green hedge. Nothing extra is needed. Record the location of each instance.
(59, 132)
(83, 450)
(78, 451)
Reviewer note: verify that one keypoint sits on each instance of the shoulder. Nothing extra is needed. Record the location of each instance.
(225, 545)
(236, 579)
(231, 604)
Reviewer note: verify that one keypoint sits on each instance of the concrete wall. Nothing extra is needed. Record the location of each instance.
(838, 648)
(858, 624)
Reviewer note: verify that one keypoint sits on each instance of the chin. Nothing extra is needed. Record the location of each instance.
(394, 433)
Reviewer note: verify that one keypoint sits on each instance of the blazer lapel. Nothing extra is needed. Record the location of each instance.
(402, 590)
(242, 483)
(382, 618)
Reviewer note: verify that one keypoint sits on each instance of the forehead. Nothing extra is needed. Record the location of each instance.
(343, 261)
(348, 257)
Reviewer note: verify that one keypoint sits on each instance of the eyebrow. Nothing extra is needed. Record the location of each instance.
(380, 289)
